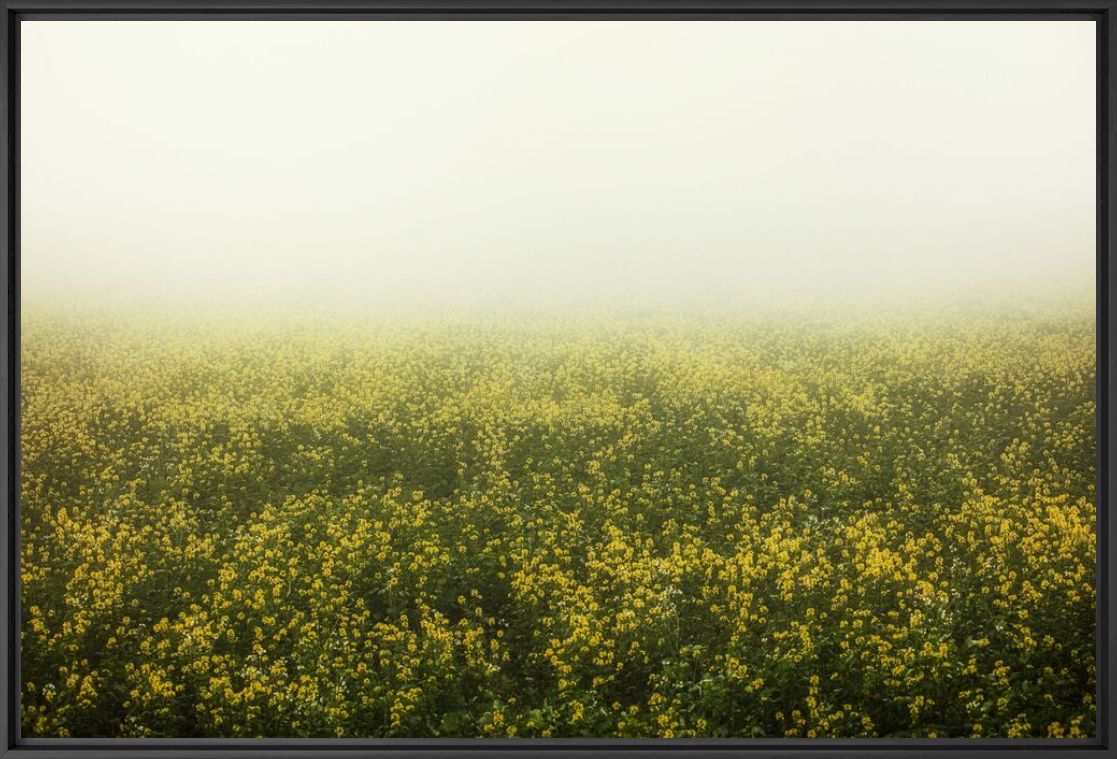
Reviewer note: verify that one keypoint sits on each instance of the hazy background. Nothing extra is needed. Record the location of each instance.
(380, 164)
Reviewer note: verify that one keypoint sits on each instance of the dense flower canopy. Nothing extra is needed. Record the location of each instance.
(606, 528)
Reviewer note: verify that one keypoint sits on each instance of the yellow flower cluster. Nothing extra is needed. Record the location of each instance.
(592, 527)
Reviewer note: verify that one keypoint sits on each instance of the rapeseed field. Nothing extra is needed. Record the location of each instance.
(707, 526)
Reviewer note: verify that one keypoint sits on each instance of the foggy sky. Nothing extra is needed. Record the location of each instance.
(384, 163)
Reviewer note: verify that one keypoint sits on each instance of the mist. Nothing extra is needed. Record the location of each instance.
(379, 166)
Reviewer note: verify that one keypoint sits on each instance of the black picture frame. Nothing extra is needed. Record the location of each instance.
(1102, 12)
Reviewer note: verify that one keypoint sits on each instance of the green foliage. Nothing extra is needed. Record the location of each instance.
(595, 528)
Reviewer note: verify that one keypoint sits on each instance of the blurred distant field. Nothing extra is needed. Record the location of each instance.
(594, 527)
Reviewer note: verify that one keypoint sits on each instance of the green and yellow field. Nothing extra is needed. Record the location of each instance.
(607, 527)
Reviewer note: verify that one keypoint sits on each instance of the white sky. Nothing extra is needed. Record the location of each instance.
(374, 163)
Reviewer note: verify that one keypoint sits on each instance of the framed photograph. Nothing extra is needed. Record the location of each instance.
(418, 378)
